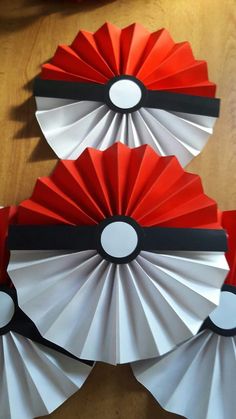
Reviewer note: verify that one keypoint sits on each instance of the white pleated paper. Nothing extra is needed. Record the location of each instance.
(196, 380)
(70, 127)
(35, 380)
(117, 313)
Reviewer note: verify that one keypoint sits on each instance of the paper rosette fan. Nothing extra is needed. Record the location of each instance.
(126, 85)
(198, 379)
(36, 376)
(118, 255)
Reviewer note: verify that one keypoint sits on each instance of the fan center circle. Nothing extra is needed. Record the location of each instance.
(119, 239)
(224, 316)
(125, 94)
(7, 308)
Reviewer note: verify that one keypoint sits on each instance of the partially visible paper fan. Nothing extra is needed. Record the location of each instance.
(229, 224)
(7, 216)
(105, 304)
(198, 378)
(126, 85)
(35, 380)
(36, 376)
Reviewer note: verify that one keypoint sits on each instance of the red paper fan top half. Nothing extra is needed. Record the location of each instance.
(153, 190)
(228, 219)
(153, 58)
(7, 216)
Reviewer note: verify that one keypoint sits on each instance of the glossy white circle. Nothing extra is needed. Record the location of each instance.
(125, 94)
(119, 239)
(7, 308)
(224, 316)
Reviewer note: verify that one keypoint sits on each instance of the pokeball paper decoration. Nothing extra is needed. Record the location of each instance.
(36, 376)
(126, 85)
(198, 379)
(118, 255)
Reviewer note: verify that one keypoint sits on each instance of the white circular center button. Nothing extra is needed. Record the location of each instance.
(125, 94)
(119, 239)
(224, 316)
(7, 308)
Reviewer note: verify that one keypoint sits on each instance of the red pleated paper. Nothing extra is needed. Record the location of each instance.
(154, 58)
(135, 182)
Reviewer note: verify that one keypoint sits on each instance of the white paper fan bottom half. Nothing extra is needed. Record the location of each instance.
(34, 379)
(117, 313)
(196, 380)
(70, 127)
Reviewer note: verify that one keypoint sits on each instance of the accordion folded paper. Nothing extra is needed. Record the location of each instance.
(119, 255)
(36, 376)
(198, 379)
(126, 85)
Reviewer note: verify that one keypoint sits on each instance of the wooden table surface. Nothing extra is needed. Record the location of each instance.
(30, 30)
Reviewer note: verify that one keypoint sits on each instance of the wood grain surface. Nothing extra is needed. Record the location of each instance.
(30, 30)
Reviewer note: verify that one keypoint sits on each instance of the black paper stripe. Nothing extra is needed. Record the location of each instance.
(190, 239)
(24, 326)
(53, 237)
(80, 238)
(69, 90)
(176, 102)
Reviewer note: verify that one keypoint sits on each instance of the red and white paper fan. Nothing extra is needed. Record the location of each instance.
(198, 379)
(126, 85)
(119, 255)
(36, 376)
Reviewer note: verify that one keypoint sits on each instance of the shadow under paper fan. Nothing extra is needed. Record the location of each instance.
(113, 390)
(12, 19)
(30, 128)
(25, 113)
